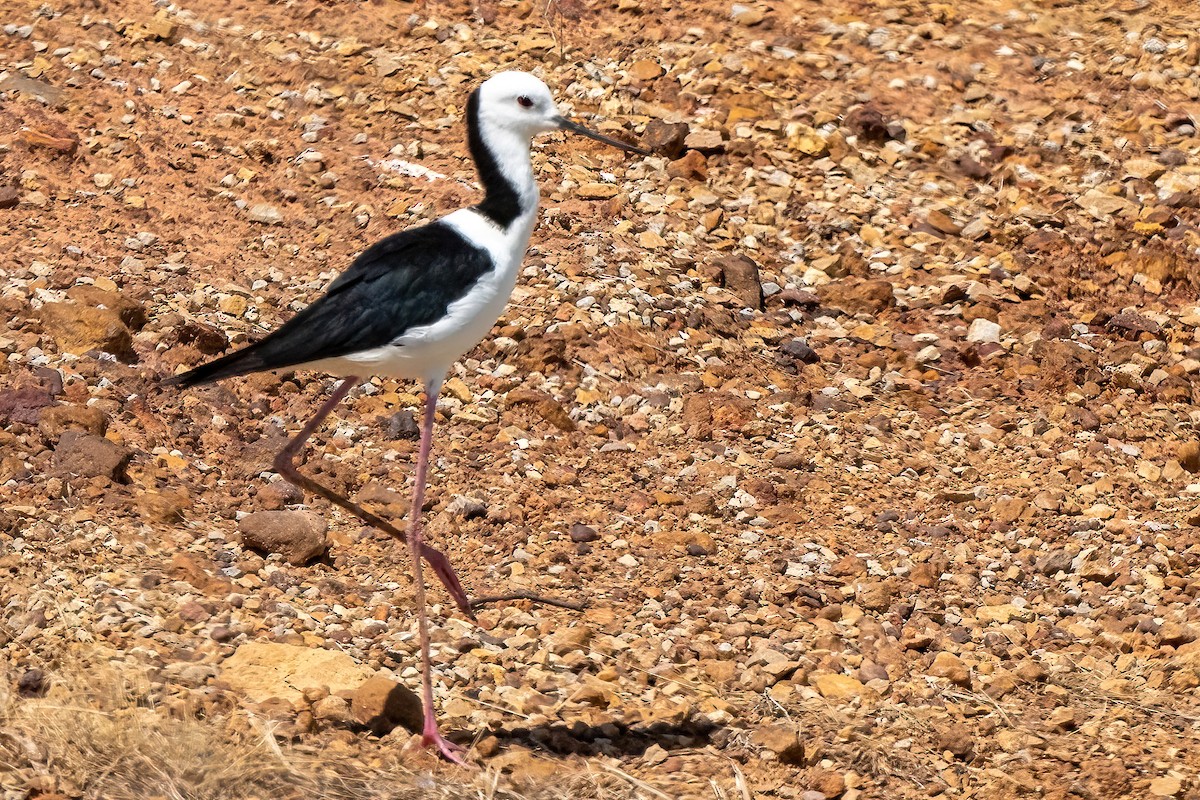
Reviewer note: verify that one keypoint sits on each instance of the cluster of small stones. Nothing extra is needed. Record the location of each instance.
(862, 414)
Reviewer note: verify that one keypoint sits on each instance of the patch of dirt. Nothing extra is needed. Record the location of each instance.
(914, 516)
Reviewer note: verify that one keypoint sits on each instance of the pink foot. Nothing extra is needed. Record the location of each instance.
(449, 750)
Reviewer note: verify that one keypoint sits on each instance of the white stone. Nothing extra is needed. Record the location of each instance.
(983, 330)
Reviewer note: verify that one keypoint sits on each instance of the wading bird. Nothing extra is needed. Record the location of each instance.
(413, 303)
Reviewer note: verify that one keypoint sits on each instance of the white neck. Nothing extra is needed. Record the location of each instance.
(502, 158)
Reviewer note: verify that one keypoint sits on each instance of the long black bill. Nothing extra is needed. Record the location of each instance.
(575, 127)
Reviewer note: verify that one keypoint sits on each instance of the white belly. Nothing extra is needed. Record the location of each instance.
(427, 352)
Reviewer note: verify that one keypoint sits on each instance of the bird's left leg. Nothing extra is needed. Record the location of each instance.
(285, 465)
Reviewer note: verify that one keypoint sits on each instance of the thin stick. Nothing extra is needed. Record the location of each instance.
(527, 595)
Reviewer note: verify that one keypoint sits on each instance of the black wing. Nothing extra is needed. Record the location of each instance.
(404, 281)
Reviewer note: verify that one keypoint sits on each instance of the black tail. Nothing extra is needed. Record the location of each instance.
(241, 362)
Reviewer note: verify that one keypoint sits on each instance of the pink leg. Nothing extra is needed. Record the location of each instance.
(430, 734)
(285, 465)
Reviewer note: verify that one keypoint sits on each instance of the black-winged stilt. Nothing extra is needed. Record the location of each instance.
(413, 303)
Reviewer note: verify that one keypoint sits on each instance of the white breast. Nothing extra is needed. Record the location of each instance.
(427, 352)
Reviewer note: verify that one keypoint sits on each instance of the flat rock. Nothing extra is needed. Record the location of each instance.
(53, 421)
(783, 741)
(265, 670)
(983, 330)
(708, 141)
(131, 312)
(837, 686)
(1101, 205)
(1166, 786)
(264, 214)
(78, 328)
(299, 536)
(23, 404)
(645, 69)
(855, 295)
(598, 191)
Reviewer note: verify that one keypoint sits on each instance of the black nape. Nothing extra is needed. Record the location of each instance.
(501, 202)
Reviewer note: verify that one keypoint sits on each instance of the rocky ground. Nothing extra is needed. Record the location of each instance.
(861, 417)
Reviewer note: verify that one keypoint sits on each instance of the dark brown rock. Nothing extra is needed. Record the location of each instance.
(541, 353)
(553, 412)
(205, 338)
(798, 350)
(33, 683)
(869, 124)
(85, 455)
(299, 536)
(799, 461)
(381, 704)
(665, 138)
(1131, 323)
(583, 533)
(1189, 455)
(23, 404)
(739, 274)
(957, 739)
(693, 166)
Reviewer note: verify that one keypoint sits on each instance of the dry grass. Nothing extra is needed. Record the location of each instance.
(94, 735)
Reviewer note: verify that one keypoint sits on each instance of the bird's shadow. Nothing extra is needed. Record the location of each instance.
(609, 739)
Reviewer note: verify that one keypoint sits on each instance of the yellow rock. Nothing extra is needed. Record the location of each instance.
(650, 240)
(597, 191)
(585, 397)
(234, 305)
(1167, 786)
(645, 70)
(807, 141)
(837, 686)
(262, 670)
(741, 114)
(949, 666)
(667, 499)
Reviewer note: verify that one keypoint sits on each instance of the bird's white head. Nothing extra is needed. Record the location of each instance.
(522, 104)
(519, 102)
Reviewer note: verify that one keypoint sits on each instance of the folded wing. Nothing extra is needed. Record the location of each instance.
(401, 282)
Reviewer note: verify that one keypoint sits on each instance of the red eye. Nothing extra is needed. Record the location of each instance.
(525, 102)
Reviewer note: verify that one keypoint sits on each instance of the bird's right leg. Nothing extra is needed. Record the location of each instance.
(285, 465)
(430, 735)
